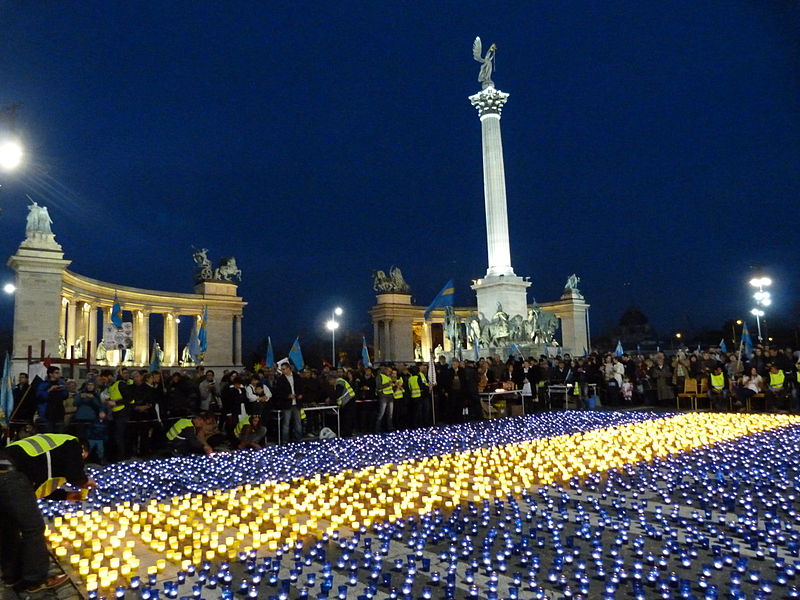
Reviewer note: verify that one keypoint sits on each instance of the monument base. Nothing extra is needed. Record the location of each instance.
(510, 291)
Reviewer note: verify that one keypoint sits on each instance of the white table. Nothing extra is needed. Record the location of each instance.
(331, 407)
(490, 396)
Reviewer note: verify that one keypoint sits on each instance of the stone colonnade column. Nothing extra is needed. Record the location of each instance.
(237, 340)
(91, 330)
(170, 339)
(71, 317)
(141, 329)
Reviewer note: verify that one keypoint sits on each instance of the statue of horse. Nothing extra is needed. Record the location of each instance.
(227, 269)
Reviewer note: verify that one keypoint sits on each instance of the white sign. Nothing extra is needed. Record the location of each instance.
(118, 339)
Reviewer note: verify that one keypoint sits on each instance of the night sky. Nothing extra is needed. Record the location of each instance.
(651, 147)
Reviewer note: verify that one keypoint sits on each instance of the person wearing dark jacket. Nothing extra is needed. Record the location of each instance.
(190, 436)
(143, 414)
(234, 403)
(287, 396)
(51, 395)
(24, 558)
(50, 460)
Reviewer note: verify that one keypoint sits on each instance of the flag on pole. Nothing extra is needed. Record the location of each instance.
(202, 335)
(116, 312)
(194, 344)
(747, 341)
(296, 355)
(443, 298)
(723, 347)
(619, 351)
(270, 354)
(365, 353)
(431, 370)
(515, 349)
(155, 359)
(6, 393)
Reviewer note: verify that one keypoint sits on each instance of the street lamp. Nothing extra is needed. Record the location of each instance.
(758, 313)
(9, 288)
(762, 298)
(332, 326)
(10, 155)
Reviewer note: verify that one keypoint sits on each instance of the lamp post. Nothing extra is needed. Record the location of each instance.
(332, 326)
(758, 314)
(762, 298)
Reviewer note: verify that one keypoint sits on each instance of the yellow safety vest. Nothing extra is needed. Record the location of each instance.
(386, 384)
(776, 380)
(348, 394)
(176, 430)
(115, 395)
(399, 392)
(718, 381)
(40, 444)
(413, 385)
(241, 425)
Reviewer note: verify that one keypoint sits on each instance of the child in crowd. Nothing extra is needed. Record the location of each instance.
(627, 390)
(96, 435)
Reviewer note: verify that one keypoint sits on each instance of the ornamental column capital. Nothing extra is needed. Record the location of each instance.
(489, 101)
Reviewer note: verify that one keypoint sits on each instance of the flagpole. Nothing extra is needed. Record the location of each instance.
(432, 369)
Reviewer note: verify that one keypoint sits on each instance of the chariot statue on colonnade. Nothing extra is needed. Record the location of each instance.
(204, 271)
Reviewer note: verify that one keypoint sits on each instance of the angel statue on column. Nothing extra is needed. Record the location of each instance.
(487, 63)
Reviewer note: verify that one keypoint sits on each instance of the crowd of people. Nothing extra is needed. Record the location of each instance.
(131, 412)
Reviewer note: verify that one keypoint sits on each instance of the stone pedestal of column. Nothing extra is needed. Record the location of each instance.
(39, 265)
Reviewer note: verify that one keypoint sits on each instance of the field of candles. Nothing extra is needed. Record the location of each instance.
(557, 505)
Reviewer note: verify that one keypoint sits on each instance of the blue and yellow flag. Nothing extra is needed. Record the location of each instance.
(443, 298)
(116, 312)
(747, 341)
(270, 354)
(202, 335)
(296, 355)
(618, 351)
(6, 393)
(155, 359)
(365, 353)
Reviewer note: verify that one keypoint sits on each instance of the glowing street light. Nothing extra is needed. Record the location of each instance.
(332, 326)
(11, 155)
(9, 288)
(762, 298)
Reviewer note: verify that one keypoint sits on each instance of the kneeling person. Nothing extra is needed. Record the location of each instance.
(190, 436)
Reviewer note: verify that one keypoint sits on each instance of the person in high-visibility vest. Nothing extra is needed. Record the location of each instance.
(344, 395)
(250, 432)
(24, 558)
(120, 401)
(718, 388)
(419, 396)
(385, 390)
(776, 392)
(190, 436)
(50, 460)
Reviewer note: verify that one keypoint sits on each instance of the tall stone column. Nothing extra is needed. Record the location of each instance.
(500, 285)
(71, 326)
(141, 333)
(237, 340)
(92, 330)
(62, 318)
(375, 341)
(170, 340)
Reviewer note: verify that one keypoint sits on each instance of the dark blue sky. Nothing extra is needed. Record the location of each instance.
(655, 144)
